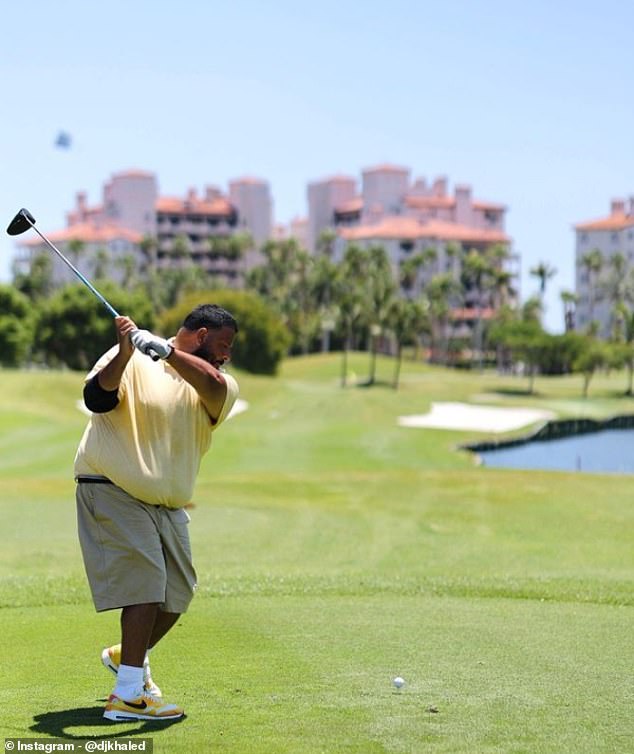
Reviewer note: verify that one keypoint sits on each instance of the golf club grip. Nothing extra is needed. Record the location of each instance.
(153, 355)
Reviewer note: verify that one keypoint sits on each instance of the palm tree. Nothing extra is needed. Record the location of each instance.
(76, 248)
(181, 250)
(350, 296)
(569, 300)
(128, 266)
(592, 263)
(326, 243)
(476, 276)
(102, 262)
(379, 293)
(148, 247)
(617, 286)
(441, 292)
(408, 273)
(406, 319)
(323, 275)
(37, 283)
(543, 272)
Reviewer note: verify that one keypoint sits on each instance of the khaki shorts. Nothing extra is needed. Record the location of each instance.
(134, 553)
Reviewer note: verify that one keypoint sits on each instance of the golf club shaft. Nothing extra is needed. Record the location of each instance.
(83, 279)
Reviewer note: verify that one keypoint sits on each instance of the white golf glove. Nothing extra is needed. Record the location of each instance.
(146, 342)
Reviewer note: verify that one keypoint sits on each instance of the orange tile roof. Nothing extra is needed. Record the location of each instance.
(479, 204)
(617, 221)
(352, 205)
(408, 228)
(134, 174)
(89, 233)
(425, 202)
(250, 180)
(386, 168)
(176, 205)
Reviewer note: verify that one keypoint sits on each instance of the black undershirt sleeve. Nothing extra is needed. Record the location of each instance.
(98, 400)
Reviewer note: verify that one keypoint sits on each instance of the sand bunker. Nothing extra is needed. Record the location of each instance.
(464, 416)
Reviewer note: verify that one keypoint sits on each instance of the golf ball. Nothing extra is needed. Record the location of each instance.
(399, 682)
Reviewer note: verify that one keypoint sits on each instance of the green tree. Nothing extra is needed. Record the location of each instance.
(350, 298)
(36, 284)
(569, 301)
(76, 249)
(380, 290)
(593, 356)
(16, 326)
(524, 338)
(476, 277)
(323, 286)
(148, 247)
(442, 292)
(128, 266)
(102, 264)
(406, 320)
(543, 272)
(617, 286)
(74, 328)
(592, 262)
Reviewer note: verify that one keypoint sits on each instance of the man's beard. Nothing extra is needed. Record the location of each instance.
(205, 354)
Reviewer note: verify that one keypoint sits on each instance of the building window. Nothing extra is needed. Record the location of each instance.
(407, 246)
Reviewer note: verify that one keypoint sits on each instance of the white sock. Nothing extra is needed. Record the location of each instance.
(129, 682)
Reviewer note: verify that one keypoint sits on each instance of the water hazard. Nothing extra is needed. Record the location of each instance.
(606, 451)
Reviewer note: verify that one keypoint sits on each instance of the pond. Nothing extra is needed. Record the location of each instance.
(610, 450)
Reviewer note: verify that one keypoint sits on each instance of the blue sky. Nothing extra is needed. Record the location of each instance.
(530, 103)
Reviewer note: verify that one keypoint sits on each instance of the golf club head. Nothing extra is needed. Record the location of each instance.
(21, 223)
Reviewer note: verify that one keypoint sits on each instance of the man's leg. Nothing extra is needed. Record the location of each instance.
(162, 624)
(137, 626)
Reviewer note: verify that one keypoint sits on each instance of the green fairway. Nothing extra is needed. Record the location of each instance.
(335, 551)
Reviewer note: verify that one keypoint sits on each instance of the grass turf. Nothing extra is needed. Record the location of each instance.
(335, 551)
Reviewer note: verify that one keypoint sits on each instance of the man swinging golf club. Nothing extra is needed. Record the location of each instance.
(135, 469)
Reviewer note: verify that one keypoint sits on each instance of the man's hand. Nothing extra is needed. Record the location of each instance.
(146, 342)
(125, 327)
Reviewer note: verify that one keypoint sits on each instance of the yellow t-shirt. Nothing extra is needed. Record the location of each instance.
(152, 443)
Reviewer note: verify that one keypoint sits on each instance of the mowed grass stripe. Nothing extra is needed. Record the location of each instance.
(314, 674)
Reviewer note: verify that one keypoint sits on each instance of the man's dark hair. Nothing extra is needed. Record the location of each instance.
(210, 316)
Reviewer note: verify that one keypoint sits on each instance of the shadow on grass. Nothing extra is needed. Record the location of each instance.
(373, 383)
(521, 391)
(55, 724)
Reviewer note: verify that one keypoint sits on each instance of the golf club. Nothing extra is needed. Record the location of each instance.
(23, 221)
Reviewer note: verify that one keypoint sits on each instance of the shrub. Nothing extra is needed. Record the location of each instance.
(74, 328)
(16, 326)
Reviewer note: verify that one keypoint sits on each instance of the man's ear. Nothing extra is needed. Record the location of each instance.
(201, 334)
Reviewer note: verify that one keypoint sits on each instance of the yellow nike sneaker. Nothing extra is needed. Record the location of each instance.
(111, 659)
(144, 707)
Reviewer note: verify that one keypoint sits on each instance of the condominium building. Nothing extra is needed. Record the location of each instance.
(134, 222)
(408, 217)
(598, 242)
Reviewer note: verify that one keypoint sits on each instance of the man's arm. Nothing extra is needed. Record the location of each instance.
(110, 376)
(206, 380)
(101, 392)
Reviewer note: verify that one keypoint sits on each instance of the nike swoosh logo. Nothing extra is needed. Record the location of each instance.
(136, 705)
